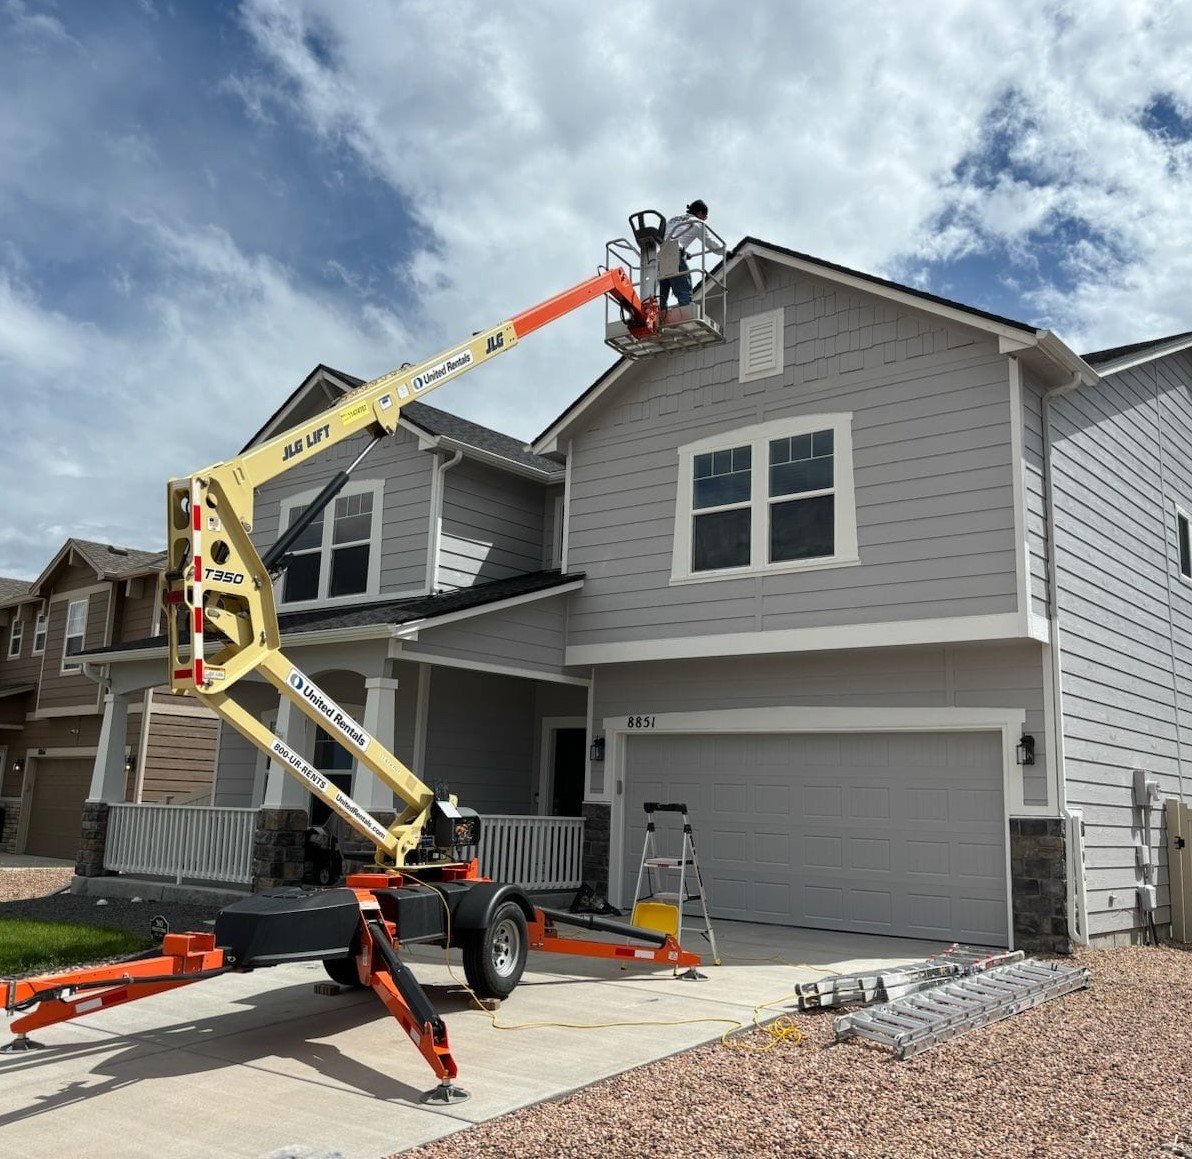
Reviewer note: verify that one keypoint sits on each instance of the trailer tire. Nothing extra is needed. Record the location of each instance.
(495, 957)
(343, 971)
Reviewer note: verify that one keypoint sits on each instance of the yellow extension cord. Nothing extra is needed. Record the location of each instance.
(779, 1031)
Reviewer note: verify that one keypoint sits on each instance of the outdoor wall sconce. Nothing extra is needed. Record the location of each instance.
(596, 752)
(18, 766)
(130, 763)
(1025, 751)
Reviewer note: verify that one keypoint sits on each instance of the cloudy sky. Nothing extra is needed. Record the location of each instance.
(202, 199)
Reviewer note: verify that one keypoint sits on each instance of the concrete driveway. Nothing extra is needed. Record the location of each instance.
(259, 1065)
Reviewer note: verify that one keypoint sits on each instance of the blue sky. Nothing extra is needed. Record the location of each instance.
(201, 200)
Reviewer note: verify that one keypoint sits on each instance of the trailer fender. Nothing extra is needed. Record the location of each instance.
(476, 908)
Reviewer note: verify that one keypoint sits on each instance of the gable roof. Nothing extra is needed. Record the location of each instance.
(1012, 335)
(11, 590)
(108, 561)
(429, 422)
(388, 614)
(1119, 357)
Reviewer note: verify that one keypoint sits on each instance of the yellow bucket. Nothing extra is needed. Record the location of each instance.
(656, 915)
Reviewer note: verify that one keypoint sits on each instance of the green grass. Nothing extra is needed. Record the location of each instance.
(27, 946)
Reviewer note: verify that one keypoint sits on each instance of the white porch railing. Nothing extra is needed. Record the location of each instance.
(533, 852)
(191, 842)
(201, 843)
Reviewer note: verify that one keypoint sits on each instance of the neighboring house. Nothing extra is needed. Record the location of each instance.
(892, 592)
(51, 709)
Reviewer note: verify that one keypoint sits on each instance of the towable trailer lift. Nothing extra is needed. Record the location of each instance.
(222, 626)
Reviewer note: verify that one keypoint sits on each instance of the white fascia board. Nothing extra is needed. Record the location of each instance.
(862, 285)
(545, 674)
(548, 442)
(957, 630)
(1066, 358)
(510, 466)
(1140, 356)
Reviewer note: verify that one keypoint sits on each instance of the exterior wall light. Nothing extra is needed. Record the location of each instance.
(1025, 750)
(596, 752)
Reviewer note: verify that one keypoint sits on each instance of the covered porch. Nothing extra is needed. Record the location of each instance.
(508, 740)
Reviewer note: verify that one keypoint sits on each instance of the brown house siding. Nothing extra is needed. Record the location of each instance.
(72, 690)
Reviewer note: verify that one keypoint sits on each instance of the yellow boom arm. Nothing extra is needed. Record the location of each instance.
(219, 590)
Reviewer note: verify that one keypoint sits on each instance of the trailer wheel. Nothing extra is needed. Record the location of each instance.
(343, 971)
(495, 957)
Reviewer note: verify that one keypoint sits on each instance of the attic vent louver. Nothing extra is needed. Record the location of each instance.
(761, 345)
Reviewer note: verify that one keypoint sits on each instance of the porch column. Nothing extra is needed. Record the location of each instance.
(282, 790)
(380, 721)
(107, 778)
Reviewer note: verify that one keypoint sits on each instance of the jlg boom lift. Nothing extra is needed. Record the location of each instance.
(223, 627)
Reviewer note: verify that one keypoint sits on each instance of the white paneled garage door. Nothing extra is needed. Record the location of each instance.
(880, 833)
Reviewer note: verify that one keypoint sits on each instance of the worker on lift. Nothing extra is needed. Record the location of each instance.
(685, 229)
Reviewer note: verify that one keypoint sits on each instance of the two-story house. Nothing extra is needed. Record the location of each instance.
(90, 595)
(892, 592)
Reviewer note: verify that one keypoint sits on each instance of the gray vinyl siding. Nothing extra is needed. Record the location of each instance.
(1120, 464)
(492, 526)
(1035, 493)
(528, 635)
(236, 764)
(932, 470)
(970, 676)
(552, 538)
(405, 524)
(72, 689)
(480, 739)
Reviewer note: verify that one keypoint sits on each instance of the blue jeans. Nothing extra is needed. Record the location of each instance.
(680, 284)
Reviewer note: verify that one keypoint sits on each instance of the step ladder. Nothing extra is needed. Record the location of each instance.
(917, 1022)
(666, 886)
(898, 981)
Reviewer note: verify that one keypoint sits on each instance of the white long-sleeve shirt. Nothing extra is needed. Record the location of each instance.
(686, 228)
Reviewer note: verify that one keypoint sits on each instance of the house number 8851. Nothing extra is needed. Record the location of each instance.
(639, 722)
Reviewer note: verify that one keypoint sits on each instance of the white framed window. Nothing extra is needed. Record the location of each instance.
(15, 635)
(76, 633)
(1183, 543)
(338, 557)
(39, 633)
(769, 498)
(761, 345)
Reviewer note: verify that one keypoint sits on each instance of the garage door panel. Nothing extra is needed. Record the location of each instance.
(881, 833)
(60, 786)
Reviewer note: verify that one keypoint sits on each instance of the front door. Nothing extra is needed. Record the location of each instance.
(568, 767)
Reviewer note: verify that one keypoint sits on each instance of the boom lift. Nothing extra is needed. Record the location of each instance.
(218, 593)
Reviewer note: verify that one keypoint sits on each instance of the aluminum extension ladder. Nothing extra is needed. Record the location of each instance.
(917, 1022)
(898, 981)
(663, 909)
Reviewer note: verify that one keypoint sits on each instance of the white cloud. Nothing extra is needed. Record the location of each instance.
(519, 138)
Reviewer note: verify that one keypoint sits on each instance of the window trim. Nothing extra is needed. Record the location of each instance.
(41, 627)
(300, 499)
(1183, 530)
(758, 437)
(16, 637)
(66, 667)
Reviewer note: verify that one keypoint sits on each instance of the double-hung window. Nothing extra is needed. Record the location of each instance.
(76, 633)
(339, 554)
(15, 636)
(773, 497)
(39, 634)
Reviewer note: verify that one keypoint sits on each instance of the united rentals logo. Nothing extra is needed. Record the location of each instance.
(445, 369)
(328, 709)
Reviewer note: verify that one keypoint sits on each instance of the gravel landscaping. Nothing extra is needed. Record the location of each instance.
(1102, 1072)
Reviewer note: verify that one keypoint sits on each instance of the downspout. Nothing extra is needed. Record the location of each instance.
(436, 517)
(1175, 688)
(1077, 905)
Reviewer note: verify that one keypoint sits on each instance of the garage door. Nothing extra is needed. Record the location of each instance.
(60, 787)
(899, 833)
